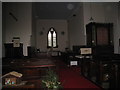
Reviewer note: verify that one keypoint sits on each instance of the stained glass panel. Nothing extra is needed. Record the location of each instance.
(52, 38)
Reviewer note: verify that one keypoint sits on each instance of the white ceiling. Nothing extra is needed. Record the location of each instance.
(54, 10)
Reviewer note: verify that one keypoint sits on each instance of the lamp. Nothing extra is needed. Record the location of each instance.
(41, 32)
(70, 6)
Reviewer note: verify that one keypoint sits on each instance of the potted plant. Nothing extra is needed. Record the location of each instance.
(50, 80)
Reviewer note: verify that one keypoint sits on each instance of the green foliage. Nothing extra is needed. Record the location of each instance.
(51, 80)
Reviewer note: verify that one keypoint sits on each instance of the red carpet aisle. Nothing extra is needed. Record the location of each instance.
(70, 78)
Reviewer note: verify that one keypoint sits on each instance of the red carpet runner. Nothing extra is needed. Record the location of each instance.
(70, 78)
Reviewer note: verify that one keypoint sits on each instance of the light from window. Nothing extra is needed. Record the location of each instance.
(49, 39)
(52, 38)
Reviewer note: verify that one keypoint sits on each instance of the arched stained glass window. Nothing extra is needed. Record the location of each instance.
(52, 38)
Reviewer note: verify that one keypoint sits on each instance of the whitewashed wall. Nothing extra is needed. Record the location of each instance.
(44, 26)
(96, 10)
(76, 28)
(33, 35)
(21, 28)
(0, 34)
(0, 44)
(118, 31)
